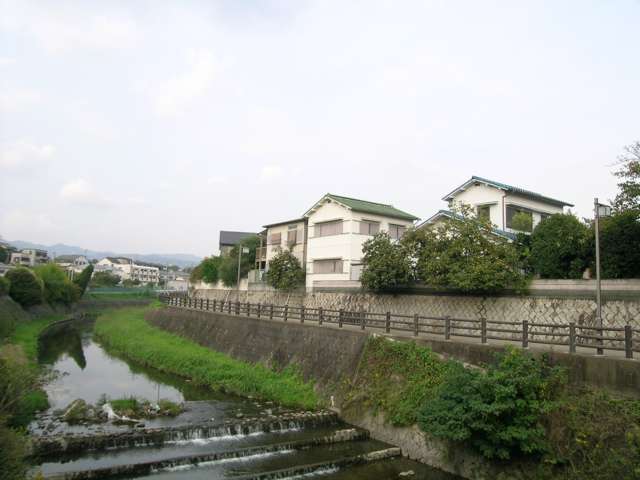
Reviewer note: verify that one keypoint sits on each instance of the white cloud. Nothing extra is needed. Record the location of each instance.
(270, 172)
(177, 93)
(59, 30)
(18, 99)
(6, 61)
(217, 180)
(24, 156)
(82, 192)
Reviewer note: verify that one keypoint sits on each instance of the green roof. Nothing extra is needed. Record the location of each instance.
(372, 207)
(508, 188)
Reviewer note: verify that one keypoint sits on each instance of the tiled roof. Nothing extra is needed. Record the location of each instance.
(374, 208)
(228, 238)
(297, 220)
(510, 189)
(450, 214)
(67, 258)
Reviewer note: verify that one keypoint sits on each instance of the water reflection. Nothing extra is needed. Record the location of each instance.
(68, 342)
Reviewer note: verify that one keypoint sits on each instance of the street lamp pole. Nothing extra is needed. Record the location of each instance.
(605, 211)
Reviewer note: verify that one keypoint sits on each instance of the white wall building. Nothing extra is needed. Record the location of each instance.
(499, 203)
(290, 235)
(126, 269)
(73, 264)
(29, 257)
(337, 228)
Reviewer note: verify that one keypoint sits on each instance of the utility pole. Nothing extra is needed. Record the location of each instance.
(599, 210)
(241, 250)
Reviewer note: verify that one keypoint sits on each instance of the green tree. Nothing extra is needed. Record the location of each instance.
(228, 269)
(208, 270)
(463, 254)
(82, 280)
(57, 286)
(522, 221)
(620, 245)
(629, 174)
(4, 255)
(104, 279)
(5, 286)
(387, 265)
(26, 288)
(285, 271)
(560, 247)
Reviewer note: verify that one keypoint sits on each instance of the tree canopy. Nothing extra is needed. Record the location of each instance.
(228, 269)
(628, 198)
(285, 271)
(387, 265)
(25, 288)
(82, 280)
(57, 286)
(620, 245)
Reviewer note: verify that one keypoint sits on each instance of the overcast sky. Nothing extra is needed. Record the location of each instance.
(148, 126)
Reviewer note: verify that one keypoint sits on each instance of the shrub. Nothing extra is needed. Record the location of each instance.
(82, 280)
(498, 412)
(387, 266)
(26, 288)
(620, 245)
(57, 286)
(522, 222)
(285, 271)
(464, 254)
(560, 247)
(104, 279)
(5, 285)
(13, 449)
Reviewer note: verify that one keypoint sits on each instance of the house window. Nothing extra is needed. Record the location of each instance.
(292, 237)
(328, 228)
(519, 219)
(396, 231)
(484, 212)
(275, 239)
(369, 228)
(333, 265)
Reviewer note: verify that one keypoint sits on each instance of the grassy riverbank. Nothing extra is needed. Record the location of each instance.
(126, 331)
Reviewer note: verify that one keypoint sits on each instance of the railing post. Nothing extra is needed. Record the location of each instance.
(286, 312)
(340, 317)
(320, 316)
(363, 319)
(525, 334)
(237, 307)
(447, 327)
(387, 322)
(302, 314)
(271, 311)
(259, 309)
(229, 307)
(207, 304)
(628, 341)
(202, 304)
(572, 337)
(415, 324)
(483, 330)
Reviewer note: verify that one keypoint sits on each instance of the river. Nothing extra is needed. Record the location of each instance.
(217, 436)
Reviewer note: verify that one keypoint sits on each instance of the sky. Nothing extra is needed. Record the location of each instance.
(149, 126)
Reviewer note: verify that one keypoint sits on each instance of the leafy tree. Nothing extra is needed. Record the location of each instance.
(228, 269)
(196, 274)
(26, 288)
(464, 254)
(629, 196)
(4, 255)
(498, 412)
(387, 265)
(57, 286)
(82, 280)
(560, 247)
(620, 245)
(522, 221)
(285, 271)
(104, 279)
(208, 270)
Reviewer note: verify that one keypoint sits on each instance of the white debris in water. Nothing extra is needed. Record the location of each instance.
(208, 463)
(315, 473)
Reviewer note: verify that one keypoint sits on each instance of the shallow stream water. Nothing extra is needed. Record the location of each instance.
(217, 436)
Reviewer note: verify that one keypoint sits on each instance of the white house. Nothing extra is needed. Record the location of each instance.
(499, 203)
(126, 269)
(73, 264)
(29, 257)
(337, 227)
(289, 235)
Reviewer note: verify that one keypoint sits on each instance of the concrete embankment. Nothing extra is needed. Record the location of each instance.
(331, 358)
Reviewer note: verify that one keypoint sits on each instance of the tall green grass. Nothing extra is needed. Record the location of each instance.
(126, 331)
(26, 334)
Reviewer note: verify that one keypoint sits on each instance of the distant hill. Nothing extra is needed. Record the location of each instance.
(180, 259)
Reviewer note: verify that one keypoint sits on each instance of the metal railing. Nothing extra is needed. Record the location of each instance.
(621, 339)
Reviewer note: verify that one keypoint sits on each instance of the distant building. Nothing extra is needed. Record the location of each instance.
(29, 257)
(229, 239)
(72, 263)
(127, 269)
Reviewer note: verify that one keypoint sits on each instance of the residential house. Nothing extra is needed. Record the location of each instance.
(290, 235)
(127, 269)
(73, 264)
(229, 239)
(29, 257)
(337, 228)
(500, 203)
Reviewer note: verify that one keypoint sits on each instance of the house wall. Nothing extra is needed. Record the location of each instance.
(346, 246)
(283, 230)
